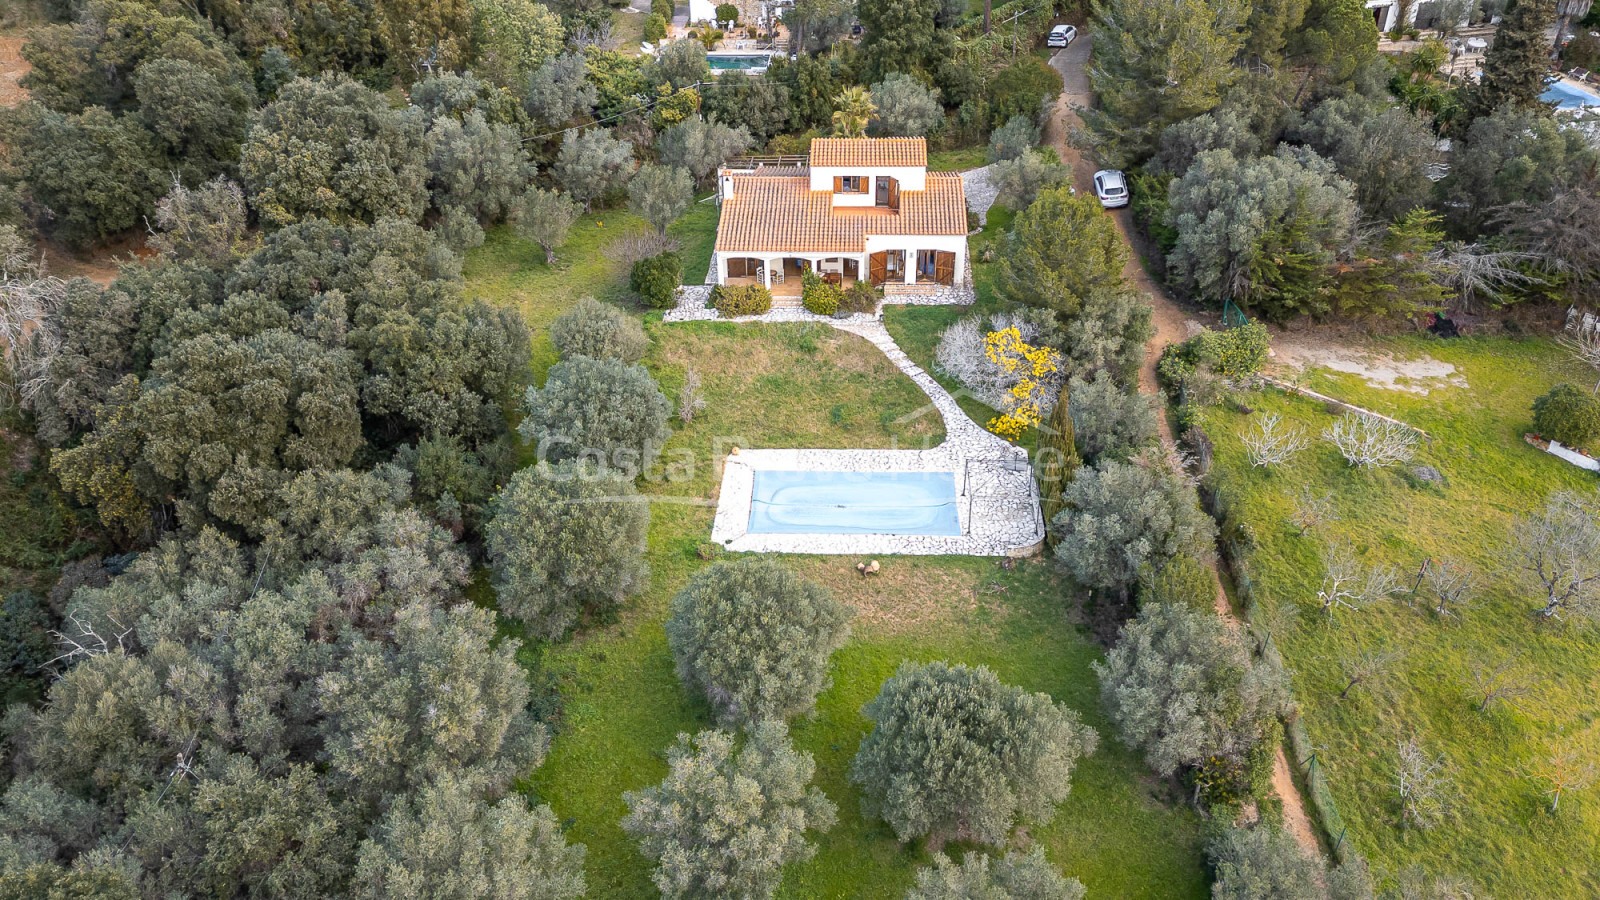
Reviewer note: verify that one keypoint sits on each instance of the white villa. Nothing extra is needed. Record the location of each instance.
(861, 208)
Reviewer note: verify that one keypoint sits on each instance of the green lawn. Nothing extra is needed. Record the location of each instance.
(1497, 831)
(511, 271)
(959, 159)
(802, 385)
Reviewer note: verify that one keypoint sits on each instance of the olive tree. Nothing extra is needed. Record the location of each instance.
(476, 167)
(593, 164)
(1181, 689)
(1019, 179)
(700, 147)
(725, 821)
(755, 638)
(906, 107)
(1251, 863)
(1010, 140)
(1261, 231)
(598, 409)
(544, 217)
(450, 841)
(1108, 421)
(660, 194)
(559, 90)
(563, 540)
(598, 330)
(955, 753)
(1121, 517)
(1015, 876)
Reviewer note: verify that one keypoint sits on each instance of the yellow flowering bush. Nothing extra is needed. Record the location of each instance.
(1036, 369)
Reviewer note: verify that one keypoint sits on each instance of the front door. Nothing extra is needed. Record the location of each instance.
(878, 267)
(882, 196)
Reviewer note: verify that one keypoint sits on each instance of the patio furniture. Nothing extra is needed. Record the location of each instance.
(833, 278)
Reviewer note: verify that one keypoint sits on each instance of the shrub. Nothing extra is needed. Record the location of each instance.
(727, 13)
(662, 8)
(598, 330)
(656, 279)
(741, 299)
(860, 297)
(1264, 862)
(597, 409)
(1009, 140)
(1568, 415)
(655, 27)
(819, 296)
(562, 541)
(955, 753)
(725, 821)
(755, 638)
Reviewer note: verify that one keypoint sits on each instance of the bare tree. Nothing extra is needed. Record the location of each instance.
(1560, 546)
(1565, 770)
(1584, 345)
(1450, 584)
(1369, 667)
(641, 243)
(1345, 584)
(689, 399)
(1422, 780)
(1502, 682)
(1475, 273)
(1311, 511)
(29, 332)
(1370, 442)
(1273, 443)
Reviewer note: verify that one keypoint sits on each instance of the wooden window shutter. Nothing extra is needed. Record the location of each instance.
(878, 267)
(838, 184)
(944, 267)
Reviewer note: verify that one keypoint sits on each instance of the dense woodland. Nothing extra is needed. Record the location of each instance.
(294, 434)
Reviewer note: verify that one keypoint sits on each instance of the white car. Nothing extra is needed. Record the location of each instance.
(1111, 186)
(1061, 35)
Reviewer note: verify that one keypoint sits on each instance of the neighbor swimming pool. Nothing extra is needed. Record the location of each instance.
(723, 62)
(1567, 96)
(854, 503)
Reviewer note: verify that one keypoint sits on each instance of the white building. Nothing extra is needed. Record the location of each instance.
(863, 208)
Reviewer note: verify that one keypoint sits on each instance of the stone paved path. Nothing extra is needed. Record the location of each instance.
(980, 192)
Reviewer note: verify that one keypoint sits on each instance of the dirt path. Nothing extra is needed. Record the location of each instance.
(12, 68)
(1172, 325)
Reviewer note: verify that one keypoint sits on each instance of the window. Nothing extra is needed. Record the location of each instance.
(852, 184)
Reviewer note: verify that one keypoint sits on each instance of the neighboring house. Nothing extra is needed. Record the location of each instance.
(863, 208)
(1386, 14)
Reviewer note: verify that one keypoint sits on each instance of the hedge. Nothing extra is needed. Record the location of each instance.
(732, 300)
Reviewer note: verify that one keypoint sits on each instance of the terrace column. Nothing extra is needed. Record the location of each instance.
(722, 269)
(958, 278)
(910, 266)
(766, 271)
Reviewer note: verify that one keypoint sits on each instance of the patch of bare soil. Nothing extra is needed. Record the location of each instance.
(1378, 369)
(910, 594)
(99, 265)
(12, 68)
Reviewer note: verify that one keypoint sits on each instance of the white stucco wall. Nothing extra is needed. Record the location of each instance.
(911, 178)
(951, 243)
(702, 10)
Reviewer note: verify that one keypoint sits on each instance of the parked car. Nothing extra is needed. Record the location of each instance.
(1111, 186)
(1062, 35)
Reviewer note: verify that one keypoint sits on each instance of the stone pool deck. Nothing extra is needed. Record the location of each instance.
(997, 499)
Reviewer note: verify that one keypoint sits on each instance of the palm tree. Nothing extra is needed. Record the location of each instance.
(852, 110)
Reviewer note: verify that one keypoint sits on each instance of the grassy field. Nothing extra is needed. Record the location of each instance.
(959, 159)
(798, 385)
(1496, 830)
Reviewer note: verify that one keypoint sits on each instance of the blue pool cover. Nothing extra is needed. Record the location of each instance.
(1567, 96)
(854, 503)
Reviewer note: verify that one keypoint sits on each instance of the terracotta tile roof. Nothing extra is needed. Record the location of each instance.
(768, 214)
(900, 151)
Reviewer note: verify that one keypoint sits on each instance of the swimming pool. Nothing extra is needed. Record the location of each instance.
(854, 503)
(1567, 96)
(723, 62)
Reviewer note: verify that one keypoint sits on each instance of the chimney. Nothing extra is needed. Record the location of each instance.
(727, 184)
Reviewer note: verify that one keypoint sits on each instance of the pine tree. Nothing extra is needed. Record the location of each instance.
(1514, 67)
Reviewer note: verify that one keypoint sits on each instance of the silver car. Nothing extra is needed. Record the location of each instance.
(1111, 186)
